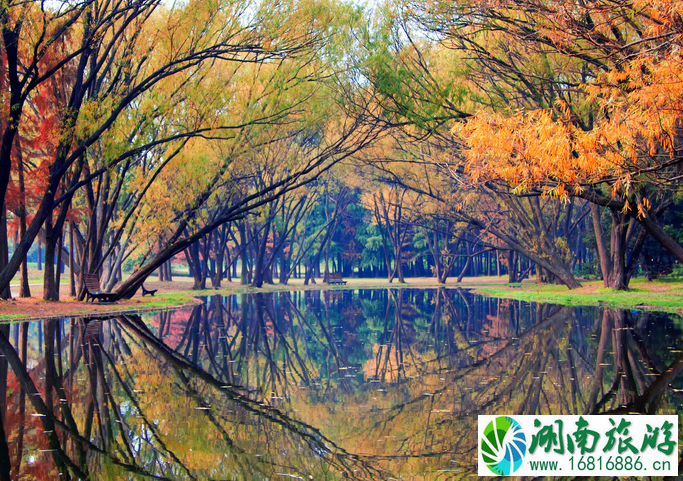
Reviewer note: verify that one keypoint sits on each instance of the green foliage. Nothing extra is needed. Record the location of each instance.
(586, 270)
(416, 82)
(419, 240)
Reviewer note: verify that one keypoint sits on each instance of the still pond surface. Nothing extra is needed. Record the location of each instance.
(364, 384)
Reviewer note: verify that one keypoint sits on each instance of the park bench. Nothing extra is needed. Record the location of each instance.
(335, 278)
(92, 329)
(94, 291)
(148, 291)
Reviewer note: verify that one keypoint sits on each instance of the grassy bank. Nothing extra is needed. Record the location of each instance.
(663, 295)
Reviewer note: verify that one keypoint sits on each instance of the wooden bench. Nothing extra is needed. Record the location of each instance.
(335, 278)
(94, 291)
(92, 329)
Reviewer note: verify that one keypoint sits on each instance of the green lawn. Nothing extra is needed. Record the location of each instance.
(664, 294)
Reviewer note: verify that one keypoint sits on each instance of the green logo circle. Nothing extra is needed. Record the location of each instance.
(503, 445)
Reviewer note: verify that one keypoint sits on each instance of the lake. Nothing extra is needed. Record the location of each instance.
(345, 384)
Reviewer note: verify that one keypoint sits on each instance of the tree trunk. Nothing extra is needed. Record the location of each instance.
(434, 248)
(115, 272)
(168, 270)
(206, 248)
(72, 279)
(59, 270)
(50, 291)
(231, 265)
(260, 259)
(194, 264)
(648, 221)
(218, 263)
(4, 248)
(309, 275)
(512, 267)
(612, 260)
(5, 464)
(398, 263)
(220, 246)
(24, 289)
(244, 277)
(468, 260)
(285, 266)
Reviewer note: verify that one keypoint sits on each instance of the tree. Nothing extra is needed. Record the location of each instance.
(353, 137)
(541, 230)
(263, 161)
(588, 85)
(423, 157)
(107, 50)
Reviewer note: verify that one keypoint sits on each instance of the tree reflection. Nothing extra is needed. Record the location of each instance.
(123, 426)
(331, 385)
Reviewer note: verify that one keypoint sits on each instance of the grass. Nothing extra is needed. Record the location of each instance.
(172, 299)
(657, 295)
(10, 317)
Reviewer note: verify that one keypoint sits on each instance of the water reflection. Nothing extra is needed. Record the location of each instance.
(369, 384)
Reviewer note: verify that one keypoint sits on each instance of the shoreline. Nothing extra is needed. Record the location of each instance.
(660, 295)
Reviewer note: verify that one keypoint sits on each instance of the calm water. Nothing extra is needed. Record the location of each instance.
(369, 384)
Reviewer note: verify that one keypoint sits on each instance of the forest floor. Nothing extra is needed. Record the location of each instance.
(661, 294)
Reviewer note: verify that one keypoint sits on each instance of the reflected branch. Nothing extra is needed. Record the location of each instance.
(318, 443)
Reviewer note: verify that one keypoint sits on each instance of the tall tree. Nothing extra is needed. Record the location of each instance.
(109, 49)
(587, 84)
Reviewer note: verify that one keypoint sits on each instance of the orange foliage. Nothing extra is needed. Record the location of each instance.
(39, 131)
(636, 107)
